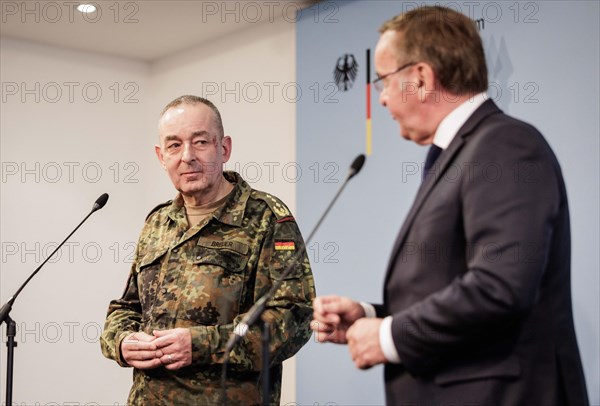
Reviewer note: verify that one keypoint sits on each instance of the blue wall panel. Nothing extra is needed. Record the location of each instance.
(543, 61)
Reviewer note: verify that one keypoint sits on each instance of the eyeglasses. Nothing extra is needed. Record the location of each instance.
(378, 83)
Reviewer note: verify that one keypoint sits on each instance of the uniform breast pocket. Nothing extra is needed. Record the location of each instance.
(147, 280)
(212, 289)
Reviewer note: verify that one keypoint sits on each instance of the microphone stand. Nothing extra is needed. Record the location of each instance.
(259, 307)
(11, 326)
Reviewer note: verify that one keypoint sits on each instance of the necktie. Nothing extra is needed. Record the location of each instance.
(432, 155)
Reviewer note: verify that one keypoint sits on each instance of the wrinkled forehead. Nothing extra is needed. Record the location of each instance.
(187, 119)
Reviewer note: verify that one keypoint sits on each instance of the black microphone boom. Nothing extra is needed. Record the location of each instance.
(356, 166)
(100, 202)
(11, 326)
(258, 308)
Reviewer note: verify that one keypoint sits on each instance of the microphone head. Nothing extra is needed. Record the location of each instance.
(357, 165)
(100, 202)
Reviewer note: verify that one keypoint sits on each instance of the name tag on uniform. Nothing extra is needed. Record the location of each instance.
(224, 244)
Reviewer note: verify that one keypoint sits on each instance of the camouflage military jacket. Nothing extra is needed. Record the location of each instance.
(205, 278)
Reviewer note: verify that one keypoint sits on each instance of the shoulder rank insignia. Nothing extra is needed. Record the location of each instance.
(158, 207)
(279, 209)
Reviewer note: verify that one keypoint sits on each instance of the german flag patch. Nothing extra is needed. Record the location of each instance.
(285, 246)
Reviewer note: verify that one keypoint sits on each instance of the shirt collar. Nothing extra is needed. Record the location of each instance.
(231, 212)
(450, 125)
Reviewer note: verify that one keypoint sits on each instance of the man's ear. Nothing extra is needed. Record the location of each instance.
(159, 155)
(426, 81)
(226, 148)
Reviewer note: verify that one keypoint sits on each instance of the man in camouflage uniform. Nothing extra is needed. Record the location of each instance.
(202, 261)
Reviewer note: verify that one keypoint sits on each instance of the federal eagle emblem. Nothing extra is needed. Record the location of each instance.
(345, 72)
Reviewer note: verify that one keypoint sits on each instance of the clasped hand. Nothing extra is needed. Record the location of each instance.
(341, 320)
(169, 348)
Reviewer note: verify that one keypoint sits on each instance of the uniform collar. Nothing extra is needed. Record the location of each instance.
(231, 212)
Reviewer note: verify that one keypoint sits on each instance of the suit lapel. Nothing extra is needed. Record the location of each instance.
(445, 159)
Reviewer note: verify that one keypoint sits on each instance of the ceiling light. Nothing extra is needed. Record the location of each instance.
(86, 8)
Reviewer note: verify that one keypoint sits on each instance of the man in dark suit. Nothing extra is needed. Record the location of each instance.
(477, 298)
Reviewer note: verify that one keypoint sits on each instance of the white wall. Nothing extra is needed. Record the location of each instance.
(52, 154)
(57, 133)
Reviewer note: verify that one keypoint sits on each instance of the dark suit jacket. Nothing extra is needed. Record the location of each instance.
(479, 279)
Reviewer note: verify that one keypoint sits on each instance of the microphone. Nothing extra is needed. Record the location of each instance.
(5, 310)
(356, 166)
(100, 202)
(258, 308)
